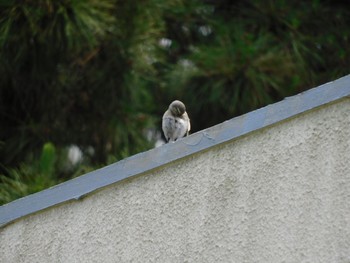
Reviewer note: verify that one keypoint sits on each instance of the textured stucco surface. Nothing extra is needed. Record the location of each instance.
(280, 194)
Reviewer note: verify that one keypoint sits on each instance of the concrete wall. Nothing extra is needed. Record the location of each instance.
(279, 194)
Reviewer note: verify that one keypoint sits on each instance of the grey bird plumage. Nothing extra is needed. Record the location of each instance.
(175, 123)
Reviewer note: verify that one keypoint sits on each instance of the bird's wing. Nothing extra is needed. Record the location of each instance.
(167, 114)
(188, 122)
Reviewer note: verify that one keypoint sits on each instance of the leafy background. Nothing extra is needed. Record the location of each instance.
(97, 75)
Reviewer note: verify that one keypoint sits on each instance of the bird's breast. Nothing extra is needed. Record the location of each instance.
(174, 127)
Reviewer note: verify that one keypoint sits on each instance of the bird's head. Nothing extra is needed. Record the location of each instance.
(177, 108)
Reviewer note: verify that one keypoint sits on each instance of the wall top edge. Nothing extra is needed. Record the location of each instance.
(140, 163)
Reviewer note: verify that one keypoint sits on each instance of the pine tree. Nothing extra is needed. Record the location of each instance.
(100, 74)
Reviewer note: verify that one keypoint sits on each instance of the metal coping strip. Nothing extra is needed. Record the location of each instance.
(140, 163)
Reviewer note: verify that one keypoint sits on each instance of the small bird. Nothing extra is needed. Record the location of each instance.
(175, 123)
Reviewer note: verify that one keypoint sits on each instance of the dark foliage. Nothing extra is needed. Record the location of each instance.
(100, 74)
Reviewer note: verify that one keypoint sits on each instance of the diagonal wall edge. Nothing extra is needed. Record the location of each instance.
(157, 157)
